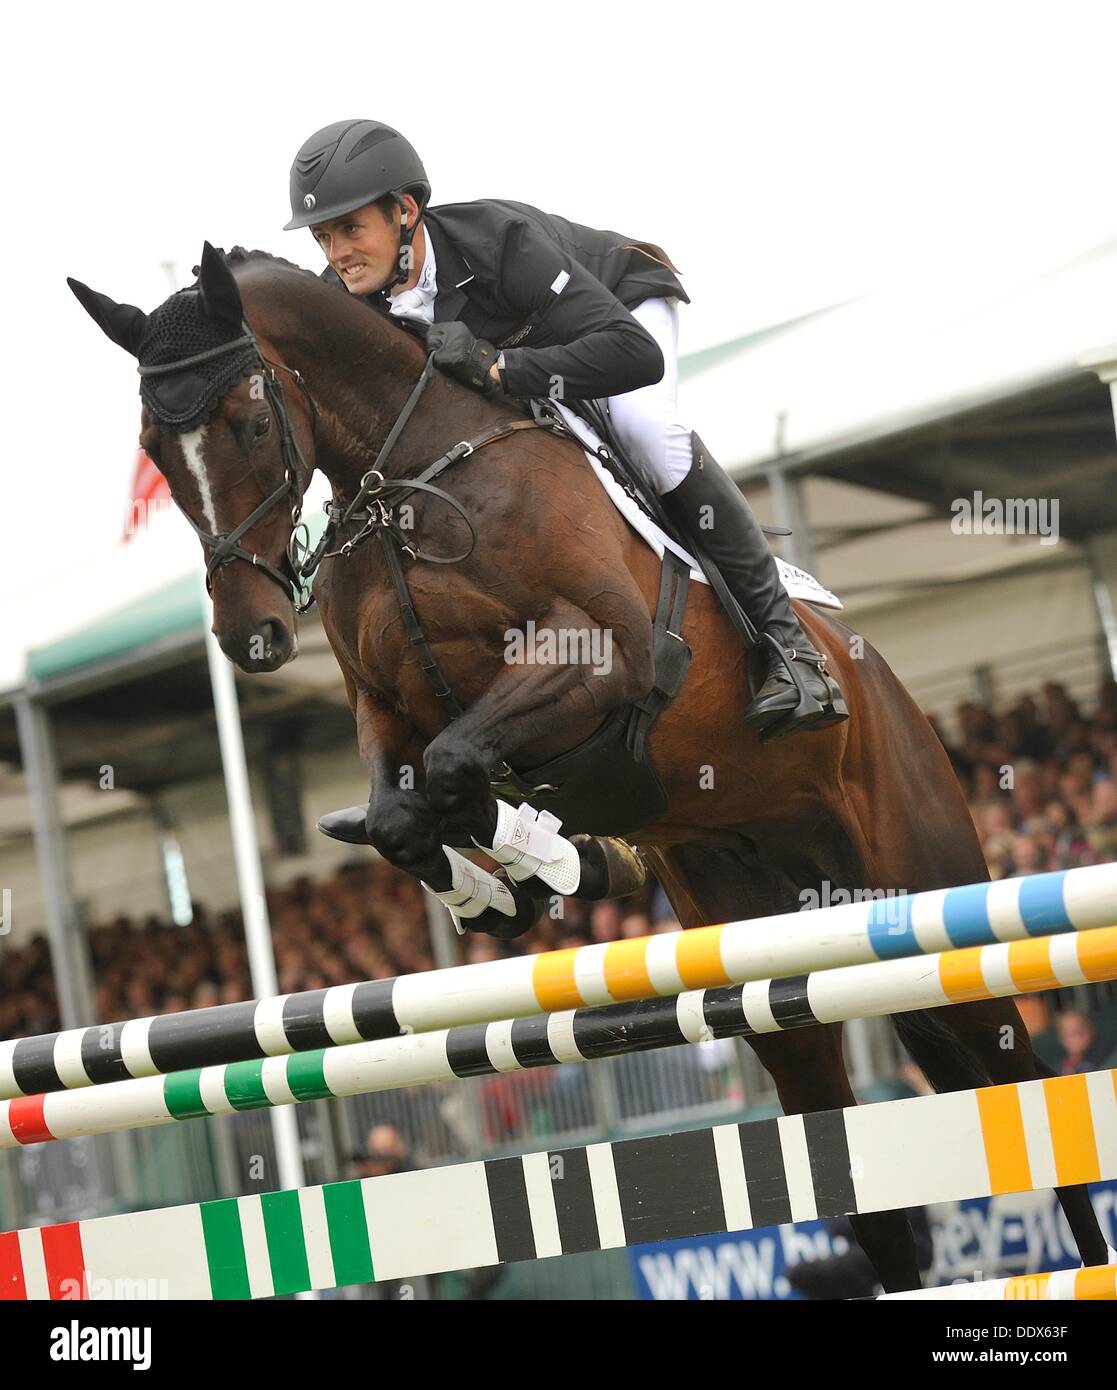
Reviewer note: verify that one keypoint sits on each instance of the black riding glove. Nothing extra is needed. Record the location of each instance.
(460, 355)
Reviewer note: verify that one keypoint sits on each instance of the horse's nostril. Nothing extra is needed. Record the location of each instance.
(269, 643)
(272, 642)
(260, 643)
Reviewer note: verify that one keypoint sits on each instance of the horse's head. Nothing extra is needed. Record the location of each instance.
(216, 423)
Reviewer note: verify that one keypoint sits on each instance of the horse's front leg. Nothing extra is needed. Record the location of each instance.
(401, 824)
(528, 701)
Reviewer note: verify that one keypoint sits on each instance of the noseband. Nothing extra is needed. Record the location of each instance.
(223, 549)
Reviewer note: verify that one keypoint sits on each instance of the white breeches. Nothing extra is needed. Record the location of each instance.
(647, 421)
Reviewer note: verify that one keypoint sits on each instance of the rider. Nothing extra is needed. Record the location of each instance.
(527, 302)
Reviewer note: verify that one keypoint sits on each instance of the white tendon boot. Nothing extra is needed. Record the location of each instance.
(472, 890)
(528, 844)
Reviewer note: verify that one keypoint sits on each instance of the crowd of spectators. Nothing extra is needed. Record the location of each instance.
(1040, 780)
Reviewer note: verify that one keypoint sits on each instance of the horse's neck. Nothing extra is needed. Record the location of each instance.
(351, 441)
(359, 383)
(360, 370)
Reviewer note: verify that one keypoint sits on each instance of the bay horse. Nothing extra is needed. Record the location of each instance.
(747, 827)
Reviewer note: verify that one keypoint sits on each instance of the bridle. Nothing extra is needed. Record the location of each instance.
(223, 549)
(368, 509)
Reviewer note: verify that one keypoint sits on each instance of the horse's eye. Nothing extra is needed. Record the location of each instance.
(263, 424)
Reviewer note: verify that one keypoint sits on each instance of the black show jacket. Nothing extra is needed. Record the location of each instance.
(554, 295)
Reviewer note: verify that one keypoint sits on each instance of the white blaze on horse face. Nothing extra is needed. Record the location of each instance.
(192, 442)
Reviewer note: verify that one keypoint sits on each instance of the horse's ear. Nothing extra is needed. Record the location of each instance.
(123, 323)
(217, 290)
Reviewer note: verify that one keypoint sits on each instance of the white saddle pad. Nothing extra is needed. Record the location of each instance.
(797, 582)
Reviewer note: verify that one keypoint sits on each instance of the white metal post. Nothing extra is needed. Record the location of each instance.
(250, 880)
(69, 945)
(1103, 361)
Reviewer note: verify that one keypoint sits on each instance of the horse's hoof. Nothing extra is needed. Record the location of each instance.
(494, 923)
(611, 866)
(347, 825)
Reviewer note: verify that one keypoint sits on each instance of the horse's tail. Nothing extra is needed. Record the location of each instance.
(946, 1062)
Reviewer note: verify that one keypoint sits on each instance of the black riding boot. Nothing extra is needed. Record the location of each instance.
(797, 692)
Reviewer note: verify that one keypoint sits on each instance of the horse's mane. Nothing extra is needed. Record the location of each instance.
(241, 256)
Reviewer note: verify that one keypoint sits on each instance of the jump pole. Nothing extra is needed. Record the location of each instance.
(1095, 1283)
(582, 1035)
(881, 930)
(734, 1177)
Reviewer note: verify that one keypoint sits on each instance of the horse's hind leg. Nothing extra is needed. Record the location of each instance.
(986, 1043)
(809, 1072)
(931, 843)
(716, 884)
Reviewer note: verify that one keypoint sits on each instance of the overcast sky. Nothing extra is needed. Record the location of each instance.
(786, 155)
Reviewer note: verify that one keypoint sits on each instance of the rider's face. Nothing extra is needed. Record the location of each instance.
(363, 246)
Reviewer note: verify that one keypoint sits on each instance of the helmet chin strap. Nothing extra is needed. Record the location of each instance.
(406, 235)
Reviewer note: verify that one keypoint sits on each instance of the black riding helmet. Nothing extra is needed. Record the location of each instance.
(350, 163)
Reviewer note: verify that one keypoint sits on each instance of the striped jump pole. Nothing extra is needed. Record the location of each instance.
(732, 1177)
(763, 1006)
(883, 929)
(1096, 1283)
